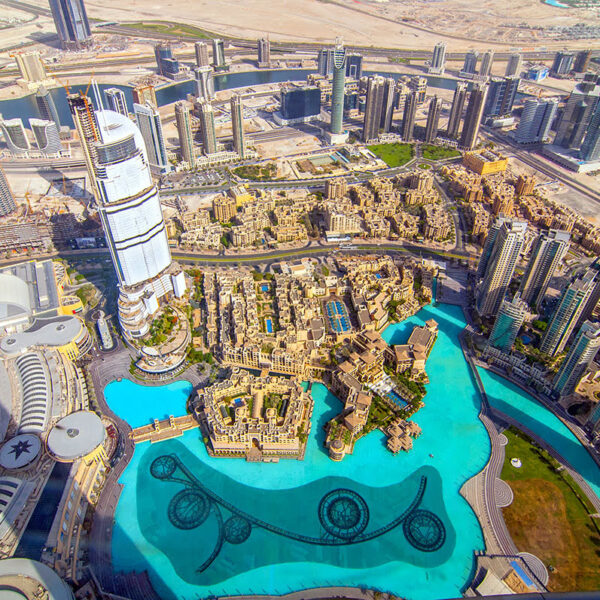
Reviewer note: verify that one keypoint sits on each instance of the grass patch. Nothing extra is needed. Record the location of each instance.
(87, 295)
(169, 28)
(256, 172)
(549, 517)
(394, 155)
(424, 166)
(438, 152)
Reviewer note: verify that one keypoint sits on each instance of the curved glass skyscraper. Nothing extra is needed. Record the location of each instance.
(339, 81)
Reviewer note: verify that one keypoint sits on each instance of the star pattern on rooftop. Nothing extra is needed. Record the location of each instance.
(20, 447)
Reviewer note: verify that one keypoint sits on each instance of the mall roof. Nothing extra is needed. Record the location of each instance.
(20, 451)
(57, 331)
(23, 567)
(76, 436)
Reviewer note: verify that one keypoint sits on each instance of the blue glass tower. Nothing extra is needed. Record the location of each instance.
(72, 24)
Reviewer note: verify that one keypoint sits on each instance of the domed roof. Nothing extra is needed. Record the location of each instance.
(76, 435)
(20, 451)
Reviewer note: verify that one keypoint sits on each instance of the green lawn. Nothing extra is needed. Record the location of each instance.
(169, 28)
(394, 155)
(438, 152)
(549, 517)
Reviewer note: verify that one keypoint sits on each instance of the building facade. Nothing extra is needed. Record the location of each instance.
(183, 122)
(7, 199)
(337, 94)
(116, 101)
(508, 323)
(472, 123)
(536, 120)
(148, 121)
(433, 119)
(72, 25)
(237, 125)
(437, 65)
(456, 112)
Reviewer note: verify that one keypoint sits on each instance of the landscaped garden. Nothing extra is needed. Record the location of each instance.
(394, 155)
(438, 152)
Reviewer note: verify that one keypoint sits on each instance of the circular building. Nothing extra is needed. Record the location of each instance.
(78, 435)
(21, 578)
(20, 451)
(337, 450)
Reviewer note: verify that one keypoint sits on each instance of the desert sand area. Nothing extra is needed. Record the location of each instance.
(414, 24)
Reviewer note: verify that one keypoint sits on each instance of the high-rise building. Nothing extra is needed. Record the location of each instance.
(15, 136)
(488, 246)
(458, 105)
(373, 108)
(501, 265)
(84, 118)
(219, 62)
(201, 52)
(207, 128)
(166, 65)
(582, 61)
(409, 116)
(563, 63)
(264, 52)
(566, 314)
(205, 82)
(536, 120)
(300, 103)
(549, 250)
(501, 95)
(387, 105)
(487, 60)
(339, 81)
(438, 60)
(578, 359)
(7, 199)
(590, 147)
(325, 62)
(46, 136)
(514, 66)
(237, 125)
(72, 24)
(30, 65)
(591, 310)
(578, 113)
(433, 119)
(418, 85)
(470, 64)
(508, 323)
(116, 101)
(144, 93)
(470, 131)
(46, 106)
(150, 126)
(354, 66)
(183, 122)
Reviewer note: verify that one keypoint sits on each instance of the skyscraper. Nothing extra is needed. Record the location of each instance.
(549, 250)
(46, 136)
(488, 246)
(84, 118)
(486, 63)
(408, 118)
(582, 61)
(470, 131)
(566, 314)
(458, 104)
(514, 66)
(237, 125)
(144, 93)
(150, 126)
(201, 52)
(207, 127)
(30, 66)
(387, 105)
(219, 62)
(580, 355)
(15, 136)
(590, 148)
(116, 101)
(7, 200)
(72, 24)
(205, 82)
(507, 324)
(264, 52)
(373, 108)
(433, 119)
(536, 119)
(438, 60)
(470, 64)
(325, 62)
(300, 104)
(418, 85)
(183, 123)
(501, 266)
(339, 81)
(46, 105)
(354, 66)
(578, 113)
(501, 96)
(563, 63)
(166, 65)
(591, 310)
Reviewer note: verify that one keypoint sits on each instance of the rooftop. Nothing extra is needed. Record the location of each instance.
(76, 436)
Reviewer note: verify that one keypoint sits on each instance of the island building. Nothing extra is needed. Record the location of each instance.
(237, 125)
(581, 354)
(472, 122)
(470, 64)
(219, 62)
(514, 66)
(15, 136)
(456, 112)
(497, 264)
(536, 120)
(183, 121)
(487, 59)
(116, 101)
(565, 317)
(508, 323)
(437, 66)
(7, 199)
(72, 25)
(264, 53)
(201, 53)
(433, 119)
(257, 418)
(337, 98)
(548, 252)
(148, 121)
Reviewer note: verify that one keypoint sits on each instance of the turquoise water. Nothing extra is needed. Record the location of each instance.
(140, 405)
(513, 401)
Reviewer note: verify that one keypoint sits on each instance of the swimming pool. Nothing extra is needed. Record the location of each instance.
(264, 287)
(392, 395)
(337, 313)
(269, 325)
